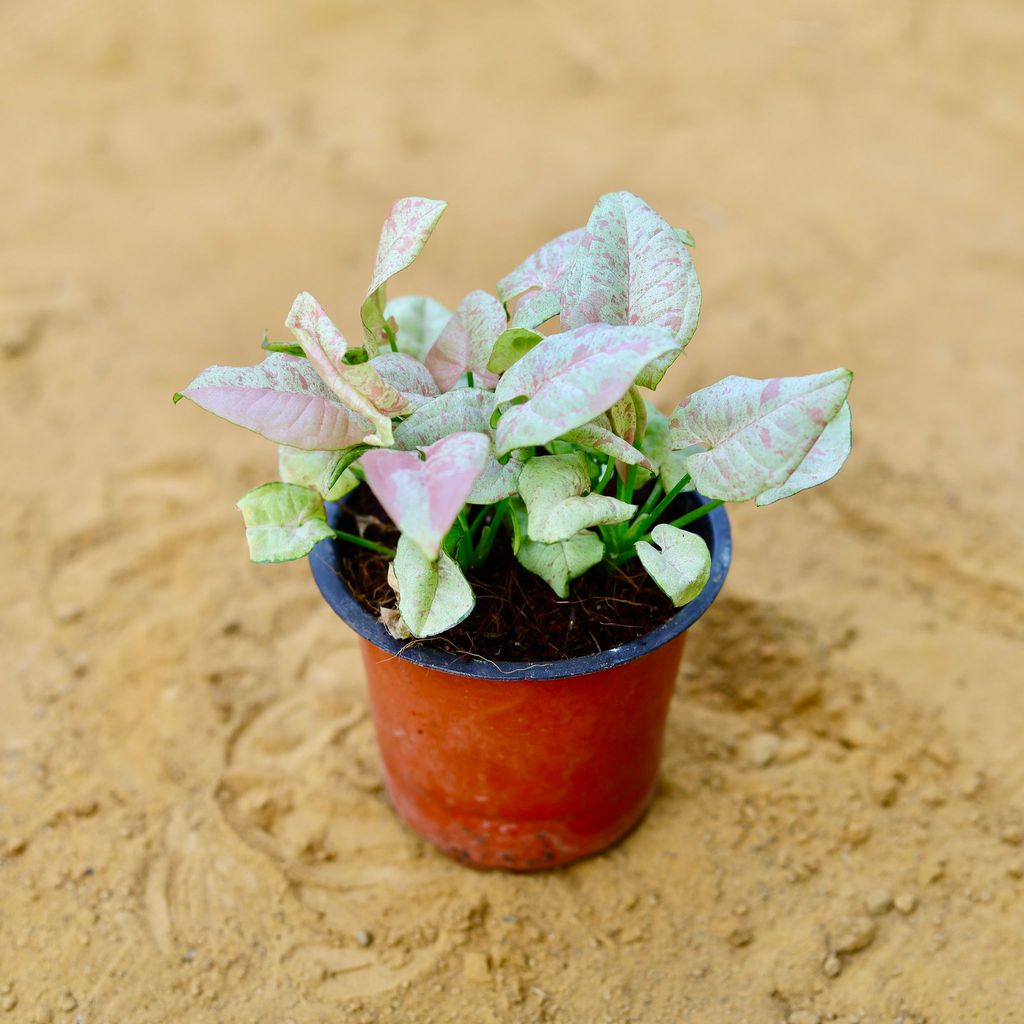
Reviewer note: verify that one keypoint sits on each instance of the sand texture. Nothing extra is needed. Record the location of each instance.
(192, 827)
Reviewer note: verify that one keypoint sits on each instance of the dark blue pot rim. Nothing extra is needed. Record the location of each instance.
(714, 528)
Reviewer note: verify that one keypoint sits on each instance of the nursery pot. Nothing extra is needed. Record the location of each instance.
(517, 765)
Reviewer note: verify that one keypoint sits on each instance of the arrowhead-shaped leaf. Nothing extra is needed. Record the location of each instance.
(358, 386)
(681, 567)
(572, 377)
(315, 470)
(511, 346)
(419, 320)
(432, 595)
(283, 522)
(670, 465)
(598, 435)
(631, 267)
(465, 343)
(406, 229)
(409, 377)
(821, 463)
(554, 488)
(423, 497)
(754, 434)
(283, 399)
(454, 411)
(558, 564)
(542, 270)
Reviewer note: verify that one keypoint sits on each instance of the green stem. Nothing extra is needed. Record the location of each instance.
(469, 379)
(362, 542)
(626, 491)
(647, 519)
(392, 341)
(703, 510)
(606, 475)
(483, 551)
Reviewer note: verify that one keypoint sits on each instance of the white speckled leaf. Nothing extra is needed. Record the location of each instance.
(554, 488)
(535, 309)
(558, 564)
(424, 496)
(821, 463)
(598, 435)
(465, 343)
(283, 522)
(670, 465)
(283, 399)
(432, 595)
(681, 567)
(358, 386)
(407, 227)
(315, 470)
(511, 346)
(419, 319)
(754, 434)
(631, 267)
(542, 270)
(572, 377)
(409, 377)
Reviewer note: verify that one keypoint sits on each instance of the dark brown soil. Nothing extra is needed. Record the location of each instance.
(517, 617)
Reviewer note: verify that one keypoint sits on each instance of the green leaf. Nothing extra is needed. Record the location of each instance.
(510, 347)
(681, 567)
(316, 470)
(283, 522)
(554, 488)
(287, 347)
(419, 319)
(599, 437)
(432, 595)
(558, 564)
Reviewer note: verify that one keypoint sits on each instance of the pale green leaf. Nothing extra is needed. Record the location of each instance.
(681, 567)
(554, 488)
(283, 521)
(558, 564)
(670, 465)
(598, 436)
(418, 319)
(432, 595)
(511, 346)
(315, 470)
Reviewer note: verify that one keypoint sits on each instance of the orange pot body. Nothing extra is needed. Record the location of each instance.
(518, 774)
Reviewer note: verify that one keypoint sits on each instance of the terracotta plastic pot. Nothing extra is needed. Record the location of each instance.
(516, 765)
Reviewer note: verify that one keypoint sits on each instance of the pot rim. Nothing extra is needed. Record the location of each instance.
(714, 528)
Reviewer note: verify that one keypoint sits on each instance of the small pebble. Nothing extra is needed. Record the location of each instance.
(762, 748)
(364, 938)
(742, 936)
(1013, 835)
(1015, 869)
(850, 934)
(630, 935)
(8, 1002)
(792, 749)
(905, 902)
(42, 1015)
(832, 965)
(66, 613)
(878, 901)
(804, 1017)
(69, 1002)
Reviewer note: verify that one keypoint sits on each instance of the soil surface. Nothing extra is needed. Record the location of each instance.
(192, 826)
(517, 616)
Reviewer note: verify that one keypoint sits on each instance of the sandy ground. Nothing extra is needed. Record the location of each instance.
(191, 821)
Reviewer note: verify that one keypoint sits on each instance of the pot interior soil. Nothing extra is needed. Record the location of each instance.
(517, 617)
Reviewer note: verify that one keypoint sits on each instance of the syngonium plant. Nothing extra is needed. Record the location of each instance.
(473, 426)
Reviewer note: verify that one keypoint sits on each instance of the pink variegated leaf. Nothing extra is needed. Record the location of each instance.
(821, 463)
(748, 437)
(283, 399)
(570, 378)
(408, 376)
(424, 496)
(465, 344)
(542, 270)
(622, 416)
(459, 410)
(406, 229)
(535, 308)
(598, 436)
(418, 320)
(357, 385)
(631, 267)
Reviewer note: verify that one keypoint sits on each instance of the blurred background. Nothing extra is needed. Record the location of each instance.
(191, 821)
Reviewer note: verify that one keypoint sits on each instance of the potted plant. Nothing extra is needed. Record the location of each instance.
(519, 537)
